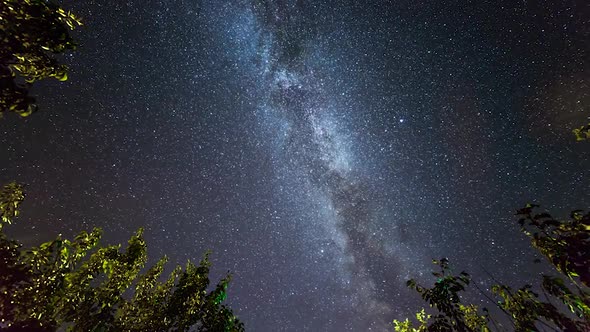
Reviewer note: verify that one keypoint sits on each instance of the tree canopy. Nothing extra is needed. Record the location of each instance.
(565, 244)
(32, 33)
(81, 285)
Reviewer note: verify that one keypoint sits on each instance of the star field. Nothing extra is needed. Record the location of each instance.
(325, 151)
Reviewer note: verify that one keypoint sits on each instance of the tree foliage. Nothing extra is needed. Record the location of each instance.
(11, 196)
(582, 133)
(565, 244)
(80, 285)
(444, 297)
(406, 326)
(32, 33)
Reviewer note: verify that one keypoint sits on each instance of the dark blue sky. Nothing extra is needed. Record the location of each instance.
(324, 150)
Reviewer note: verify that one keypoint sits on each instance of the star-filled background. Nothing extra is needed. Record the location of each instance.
(324, 150)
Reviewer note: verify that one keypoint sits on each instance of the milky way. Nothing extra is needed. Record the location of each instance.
(313, 146)
(325, 151)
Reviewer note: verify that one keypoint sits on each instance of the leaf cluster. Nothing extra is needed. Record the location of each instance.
(565, 243)
(32, 33)
(11, 196)
(406, 326)
(444, 297)
(582, 133)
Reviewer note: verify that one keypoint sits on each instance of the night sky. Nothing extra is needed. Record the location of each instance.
(324, 150)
